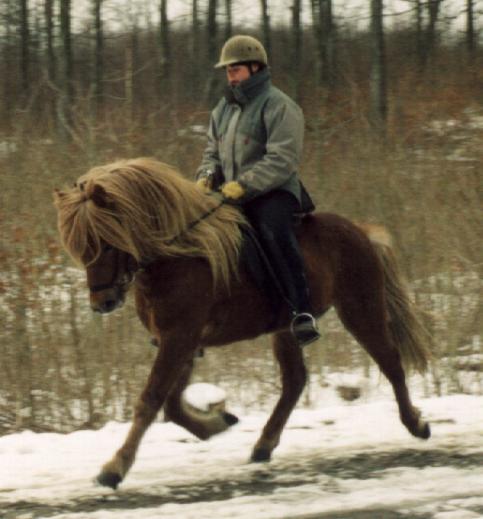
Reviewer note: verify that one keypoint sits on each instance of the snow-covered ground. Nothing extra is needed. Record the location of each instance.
(342, 460)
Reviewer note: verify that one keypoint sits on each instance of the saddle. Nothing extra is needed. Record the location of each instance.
(256, 263)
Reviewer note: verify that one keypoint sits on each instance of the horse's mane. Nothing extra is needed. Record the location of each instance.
(145, 207)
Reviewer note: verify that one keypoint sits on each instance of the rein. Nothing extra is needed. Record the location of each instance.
(194, 223)
(143, 264)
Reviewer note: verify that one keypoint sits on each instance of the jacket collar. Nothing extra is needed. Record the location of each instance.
(248, 89)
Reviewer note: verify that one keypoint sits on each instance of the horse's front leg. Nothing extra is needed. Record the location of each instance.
(175, 350)
(294, 375)
(202, 425)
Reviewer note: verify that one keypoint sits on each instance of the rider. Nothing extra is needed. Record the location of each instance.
(255, 140)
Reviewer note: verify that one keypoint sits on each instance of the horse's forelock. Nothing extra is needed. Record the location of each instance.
(83, 224)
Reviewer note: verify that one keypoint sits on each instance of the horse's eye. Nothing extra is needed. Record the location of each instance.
(106, 247)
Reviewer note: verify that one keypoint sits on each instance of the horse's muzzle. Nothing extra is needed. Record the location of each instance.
(107, 301)
(106, 306)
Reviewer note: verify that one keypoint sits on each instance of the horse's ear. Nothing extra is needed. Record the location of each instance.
(99, 196)
(58, 195)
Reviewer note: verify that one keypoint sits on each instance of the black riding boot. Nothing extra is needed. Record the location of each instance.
(272, 217)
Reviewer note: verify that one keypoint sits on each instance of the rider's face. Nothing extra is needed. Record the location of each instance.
(239, 72)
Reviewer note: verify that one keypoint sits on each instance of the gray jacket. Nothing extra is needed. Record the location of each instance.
(255, 137)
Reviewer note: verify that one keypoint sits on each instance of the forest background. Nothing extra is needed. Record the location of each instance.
(394, 127)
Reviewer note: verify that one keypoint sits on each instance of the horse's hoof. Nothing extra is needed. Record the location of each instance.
(425, 431)
(230, 419)
(260, 455)
(109, 479)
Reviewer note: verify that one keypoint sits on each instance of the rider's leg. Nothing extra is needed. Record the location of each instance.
(272, 217)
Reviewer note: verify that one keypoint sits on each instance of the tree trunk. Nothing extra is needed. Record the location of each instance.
(164, 48)
(64, 111)
(297, 45)
(212, 41)
(49, 29)
(7, 63)
(323, 24)
(24, 48)
(470, 30)
(99, 55)
(378, 99)
(266, 28)
(195, 29)
(196, 61)
(229, 19)
(131, 51)
(430, 36)
(212, 30)
(420, 50)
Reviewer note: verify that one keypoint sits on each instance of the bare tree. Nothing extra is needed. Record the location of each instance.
(420, 51)
(212, 41)
(433, 9)
(297, 45)
(25, 47)
(324, 29)
(266, 26)
(378, 96)
(67, 66)
(49, 35)
(195, 29)
(470, 29)
(195, 47)
(164, 47)
(212, 30)
(99, 54)
(8, 63)
(229, 19)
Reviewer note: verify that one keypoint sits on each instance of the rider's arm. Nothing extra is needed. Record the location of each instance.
(284, 123)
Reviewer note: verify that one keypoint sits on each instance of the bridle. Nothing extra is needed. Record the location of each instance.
(132, 266)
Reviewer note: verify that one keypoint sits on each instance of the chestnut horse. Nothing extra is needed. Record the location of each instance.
(140, 222)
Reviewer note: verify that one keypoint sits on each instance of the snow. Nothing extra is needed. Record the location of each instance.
(344, 458)
(203, 396)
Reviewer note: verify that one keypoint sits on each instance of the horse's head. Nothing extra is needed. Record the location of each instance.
(91, 229)
(109, 276)
(131, 212)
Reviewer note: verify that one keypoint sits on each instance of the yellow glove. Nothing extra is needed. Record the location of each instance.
(233, 190)
(204, 183)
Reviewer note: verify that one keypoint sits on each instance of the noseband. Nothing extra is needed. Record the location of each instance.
(131, 268)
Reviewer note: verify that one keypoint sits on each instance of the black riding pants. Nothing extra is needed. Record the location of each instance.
(271, 215)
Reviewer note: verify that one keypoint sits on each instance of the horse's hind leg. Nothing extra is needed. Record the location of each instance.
(367, 322)
(202, 425)
(294, 375)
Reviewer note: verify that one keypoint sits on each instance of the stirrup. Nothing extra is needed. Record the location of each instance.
(304, 329)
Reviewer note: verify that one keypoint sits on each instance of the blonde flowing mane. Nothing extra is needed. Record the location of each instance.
(145, 207)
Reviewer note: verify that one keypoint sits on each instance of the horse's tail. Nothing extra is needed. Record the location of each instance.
(408, 332)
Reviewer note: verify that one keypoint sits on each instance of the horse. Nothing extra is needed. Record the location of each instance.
(140, 223)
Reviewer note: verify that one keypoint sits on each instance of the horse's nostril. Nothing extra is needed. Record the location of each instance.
(109, 306)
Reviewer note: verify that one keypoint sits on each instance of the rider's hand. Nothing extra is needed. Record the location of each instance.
(232, 190)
